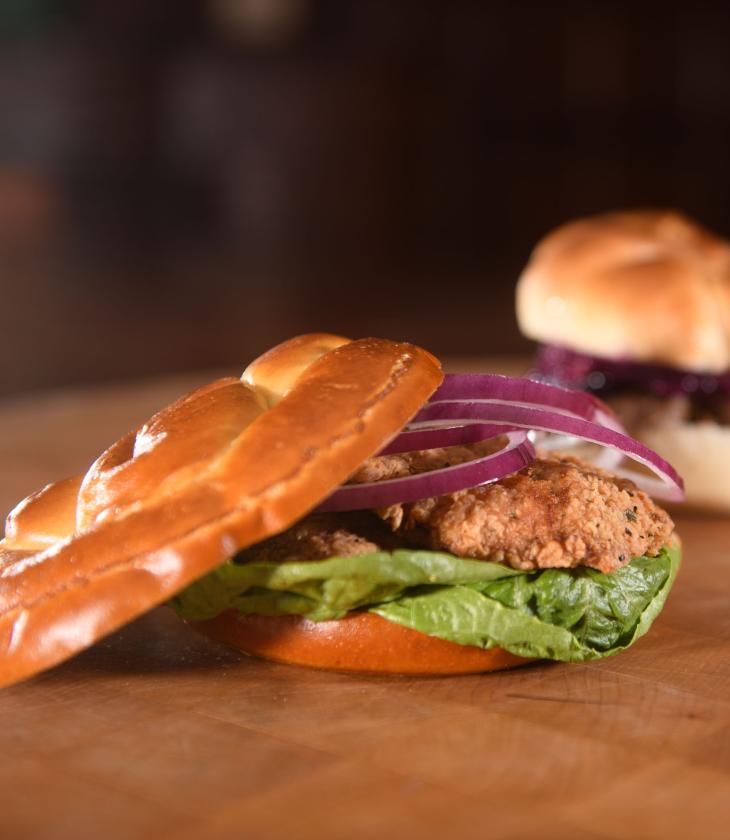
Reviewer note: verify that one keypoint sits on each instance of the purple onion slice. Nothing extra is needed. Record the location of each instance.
(440, 436)
(468, 408)
(518, 453)
(492, 387)
(667, 484)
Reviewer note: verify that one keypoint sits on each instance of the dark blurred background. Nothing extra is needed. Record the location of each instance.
(184, 183)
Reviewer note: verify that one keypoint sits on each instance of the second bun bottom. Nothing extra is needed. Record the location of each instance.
(700, 452)
(360, 643)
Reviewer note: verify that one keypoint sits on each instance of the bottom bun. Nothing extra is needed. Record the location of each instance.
(700, 452)
(362, 642)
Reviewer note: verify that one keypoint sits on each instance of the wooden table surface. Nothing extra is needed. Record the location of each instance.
(156, 732)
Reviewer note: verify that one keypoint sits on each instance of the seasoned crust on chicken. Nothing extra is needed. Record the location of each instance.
(557, 513)
(323, 535)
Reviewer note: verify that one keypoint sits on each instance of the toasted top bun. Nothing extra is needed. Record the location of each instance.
(651, 286)
(224, 467)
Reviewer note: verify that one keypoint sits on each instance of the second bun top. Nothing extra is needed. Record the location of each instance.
(651, 286)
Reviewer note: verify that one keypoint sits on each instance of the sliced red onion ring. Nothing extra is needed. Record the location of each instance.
(603, 456)
(668, 484)
(493, 388)
(440, 436)
(518, 453)
(468, 408)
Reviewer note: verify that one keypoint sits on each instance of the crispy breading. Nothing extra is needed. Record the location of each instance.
(559, 512)
(323, 535)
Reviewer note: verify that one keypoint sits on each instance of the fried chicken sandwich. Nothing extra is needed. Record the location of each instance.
(635, 307)
(344, 505)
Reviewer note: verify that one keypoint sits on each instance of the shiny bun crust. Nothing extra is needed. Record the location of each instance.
(220, 469)
(361, 643)
(651, 286)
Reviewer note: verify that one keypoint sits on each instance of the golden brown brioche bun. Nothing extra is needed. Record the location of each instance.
(651, 286)
(224, 467)
(44, 517)
(362, 642)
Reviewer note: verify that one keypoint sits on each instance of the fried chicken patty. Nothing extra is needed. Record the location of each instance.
(559, 512)
(323, 535)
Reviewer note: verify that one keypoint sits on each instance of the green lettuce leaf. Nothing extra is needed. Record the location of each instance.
(569, 615)
(564, 614)
(324, 589)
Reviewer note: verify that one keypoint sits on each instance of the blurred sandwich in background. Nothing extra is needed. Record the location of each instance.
(635, 307)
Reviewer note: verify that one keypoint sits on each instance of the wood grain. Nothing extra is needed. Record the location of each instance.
(158, 732)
